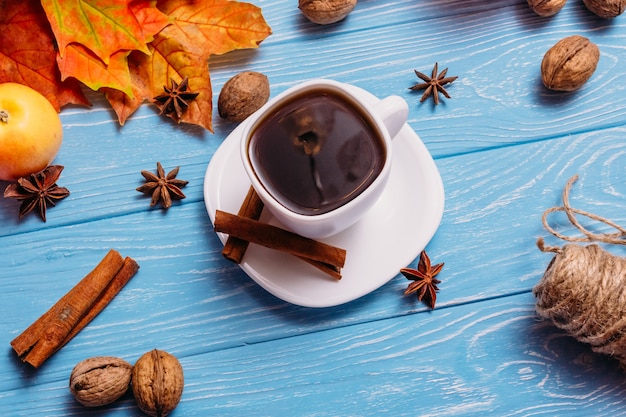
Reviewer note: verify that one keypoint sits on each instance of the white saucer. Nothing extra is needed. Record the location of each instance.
(389, 237)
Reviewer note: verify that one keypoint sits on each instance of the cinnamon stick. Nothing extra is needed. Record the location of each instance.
(326, 257)
(252, 207)
(73, 311)
(127, 271)
(329, 269)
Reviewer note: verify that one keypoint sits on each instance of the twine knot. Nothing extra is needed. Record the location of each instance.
(582, 290)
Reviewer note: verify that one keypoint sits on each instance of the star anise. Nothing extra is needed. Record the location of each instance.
(433, 84)
(424, 281)
(163, 187)
(176, 100)
(38, 191)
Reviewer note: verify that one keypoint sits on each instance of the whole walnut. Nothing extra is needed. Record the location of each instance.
(546, 8)
(606, 8)
(157, 383)
(100, 380)
(242, 95)
(569, 63)
(325, 12)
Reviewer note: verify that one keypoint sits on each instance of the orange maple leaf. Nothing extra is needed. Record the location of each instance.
(217, 26)
(27, 54)
(152, 20)
(81, 63)
(171, 62)
(104, 26)
(123, 104)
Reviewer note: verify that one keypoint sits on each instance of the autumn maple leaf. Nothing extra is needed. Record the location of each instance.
(182, 49)
(81, 63)
(214, 27)
(98, 35)
(28, 56)
(104, 26)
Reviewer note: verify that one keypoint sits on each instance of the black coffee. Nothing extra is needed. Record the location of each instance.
(316, 152)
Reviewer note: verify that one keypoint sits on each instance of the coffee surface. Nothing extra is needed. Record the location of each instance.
(316, 152)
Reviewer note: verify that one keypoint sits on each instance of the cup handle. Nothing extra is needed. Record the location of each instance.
(394, 112)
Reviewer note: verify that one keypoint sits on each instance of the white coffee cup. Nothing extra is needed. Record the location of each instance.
(297, 114)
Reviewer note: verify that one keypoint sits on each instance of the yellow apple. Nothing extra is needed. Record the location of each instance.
(30, 131)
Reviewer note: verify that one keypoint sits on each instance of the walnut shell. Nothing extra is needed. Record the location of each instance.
(546, 8)
(157, 383)
(569, 63)
(606, 8)
(324, 12)
(100, 380)
(242, 95)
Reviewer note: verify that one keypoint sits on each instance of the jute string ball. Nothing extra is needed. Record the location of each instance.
(583, 290)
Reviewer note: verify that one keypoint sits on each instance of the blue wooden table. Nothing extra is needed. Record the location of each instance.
(504, 145)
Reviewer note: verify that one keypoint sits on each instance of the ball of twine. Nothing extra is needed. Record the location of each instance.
(582, 290)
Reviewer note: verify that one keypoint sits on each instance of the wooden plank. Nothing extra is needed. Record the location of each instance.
(289, 25)
(489, 357)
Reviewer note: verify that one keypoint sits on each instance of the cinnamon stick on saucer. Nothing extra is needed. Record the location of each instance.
(252, 207)
(327, 258)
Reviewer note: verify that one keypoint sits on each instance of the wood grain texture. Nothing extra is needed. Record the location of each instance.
(505, 147)
(439, 363)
